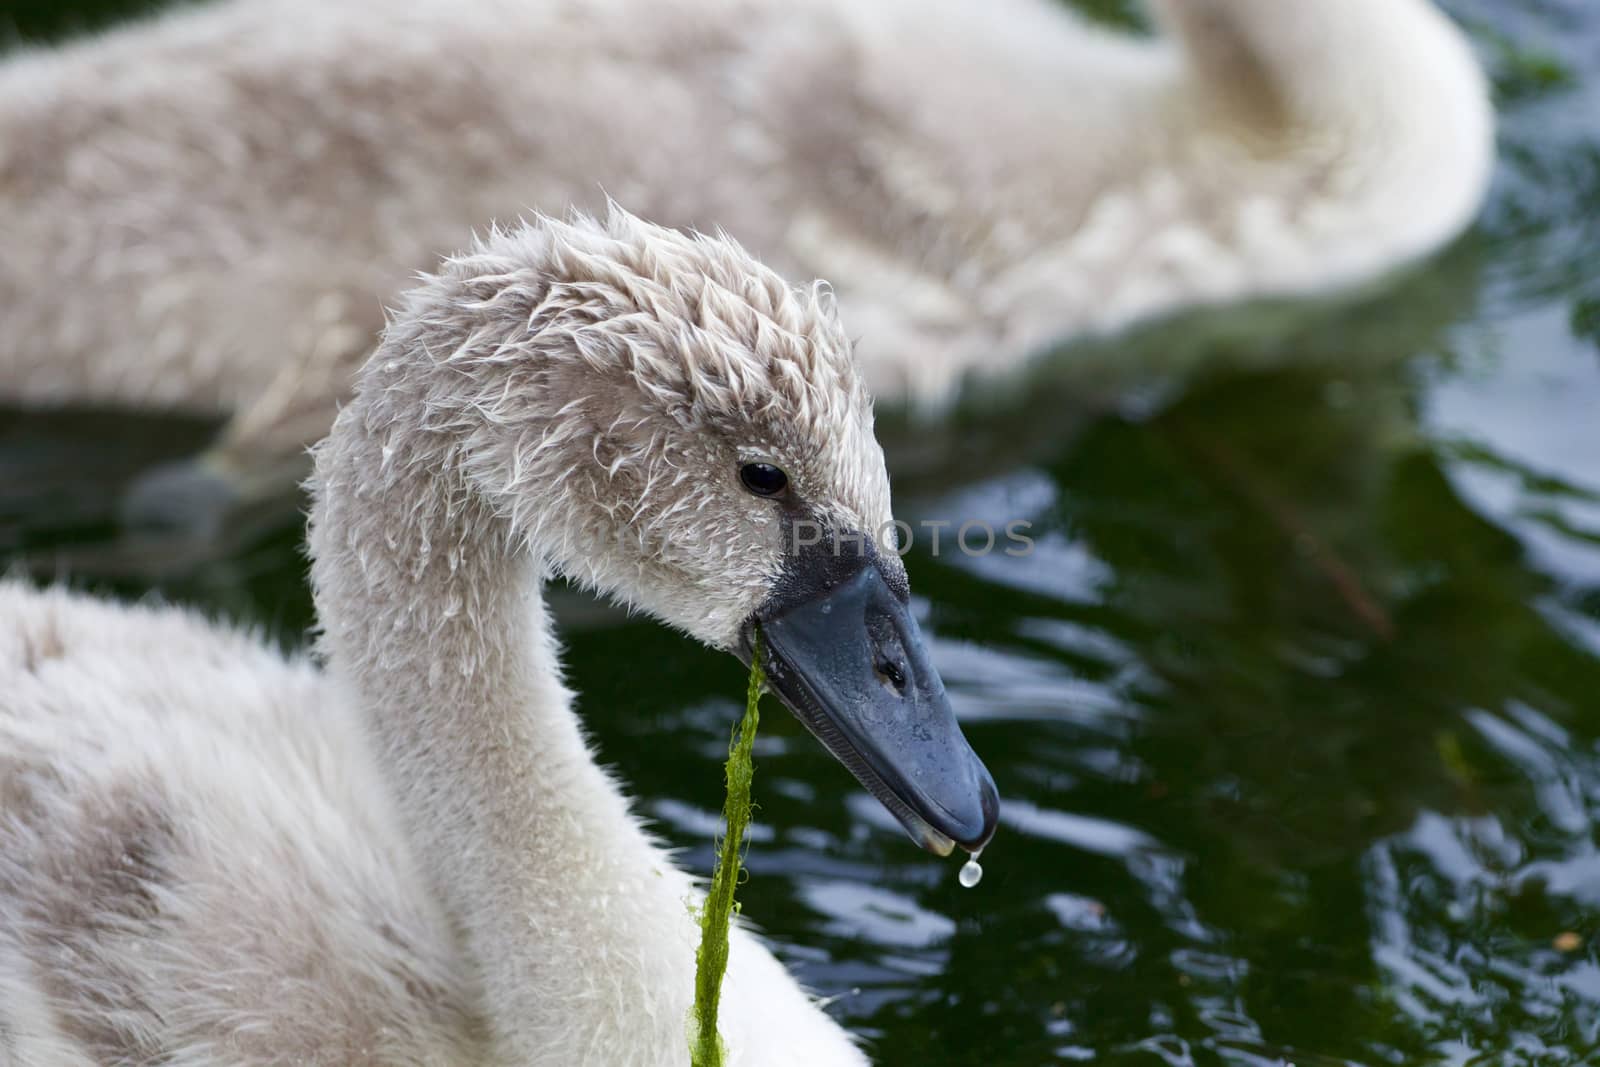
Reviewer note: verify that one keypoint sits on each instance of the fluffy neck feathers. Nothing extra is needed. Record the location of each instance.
(434, 620)
(432, 616)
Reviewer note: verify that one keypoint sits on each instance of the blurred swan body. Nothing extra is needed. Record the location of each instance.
(212, 854)
(209, 210)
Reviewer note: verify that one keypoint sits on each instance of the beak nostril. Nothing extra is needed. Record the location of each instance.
(893, 673)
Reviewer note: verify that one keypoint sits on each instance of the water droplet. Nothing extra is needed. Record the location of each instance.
(971, 874)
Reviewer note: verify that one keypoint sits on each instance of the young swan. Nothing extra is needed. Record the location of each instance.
(208, 210)
(213, 855)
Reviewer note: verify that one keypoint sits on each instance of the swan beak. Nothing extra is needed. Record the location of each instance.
(842, 650)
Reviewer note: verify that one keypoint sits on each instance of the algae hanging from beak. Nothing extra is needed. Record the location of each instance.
(711, 958)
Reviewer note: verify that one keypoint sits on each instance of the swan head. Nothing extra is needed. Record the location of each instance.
(659, 417)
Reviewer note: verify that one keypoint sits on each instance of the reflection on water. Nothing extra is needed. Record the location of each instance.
(1295, 705)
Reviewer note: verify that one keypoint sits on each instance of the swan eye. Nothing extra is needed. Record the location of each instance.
(763, 479)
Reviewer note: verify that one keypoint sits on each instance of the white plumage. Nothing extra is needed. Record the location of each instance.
(212, 854)
(208, 210)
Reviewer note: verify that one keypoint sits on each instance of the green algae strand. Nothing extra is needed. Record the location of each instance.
(711, 959)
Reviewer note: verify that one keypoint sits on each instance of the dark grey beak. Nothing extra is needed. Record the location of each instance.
(840, 647)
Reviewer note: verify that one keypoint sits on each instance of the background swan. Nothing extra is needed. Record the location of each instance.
(211, 854)
(209, 210)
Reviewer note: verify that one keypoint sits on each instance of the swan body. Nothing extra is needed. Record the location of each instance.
(213, 854)
(208, 210)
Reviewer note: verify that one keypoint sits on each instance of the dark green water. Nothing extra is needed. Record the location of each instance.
(1295, 708)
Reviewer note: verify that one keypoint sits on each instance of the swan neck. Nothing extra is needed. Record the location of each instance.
(1288, 64)
(433, 619)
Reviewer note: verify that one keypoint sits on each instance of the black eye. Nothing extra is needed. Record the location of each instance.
(763, 479)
